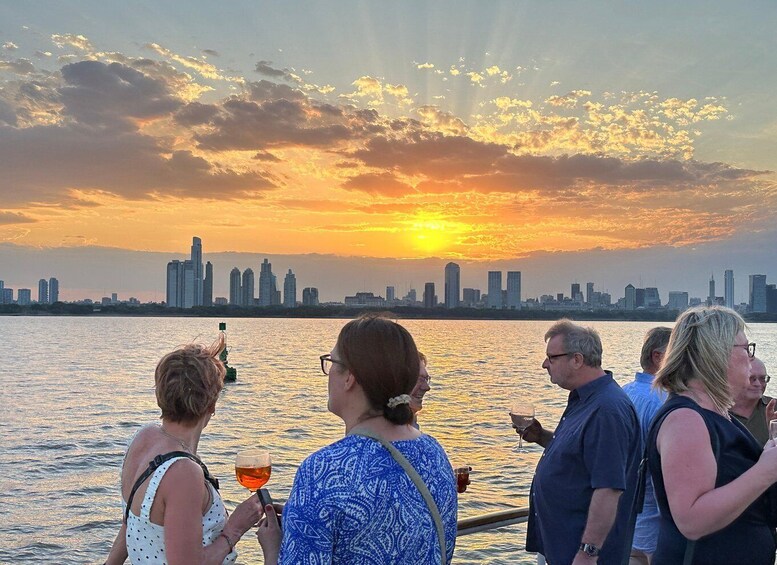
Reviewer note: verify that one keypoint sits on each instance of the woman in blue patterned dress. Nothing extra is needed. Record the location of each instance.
(351, 502)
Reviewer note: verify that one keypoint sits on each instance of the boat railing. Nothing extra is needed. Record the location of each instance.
(492, 521)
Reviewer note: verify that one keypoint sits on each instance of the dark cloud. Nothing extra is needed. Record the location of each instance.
(7, 218)
(7, 113)
(265, 156)
(211, 52)
(265, 68)
(19, 66)
(195, 113)
(383, 184)
(265, 90)
(109, 94)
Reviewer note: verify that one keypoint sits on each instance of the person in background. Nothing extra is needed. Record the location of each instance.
(647, 401)
(176, 515)
(352, 502)
(751, 407)
(710, 475)
(585, 481)
(422, 386)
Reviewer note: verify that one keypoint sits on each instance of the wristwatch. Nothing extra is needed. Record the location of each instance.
(589, 549)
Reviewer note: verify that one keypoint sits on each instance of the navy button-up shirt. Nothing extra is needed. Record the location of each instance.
(597, 444)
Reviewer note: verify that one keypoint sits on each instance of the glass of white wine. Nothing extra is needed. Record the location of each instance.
(773, 430)
(522, 415)
(253, 468)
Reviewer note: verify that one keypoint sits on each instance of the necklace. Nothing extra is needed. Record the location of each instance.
(179, 440)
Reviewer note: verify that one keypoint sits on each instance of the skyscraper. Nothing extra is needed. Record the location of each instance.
(189, 284)
(575, 292)
(390, 294)
(495, 289)
(728, 288)
(247, 288)
(631, 297)
(207, 285)
(23, 297)
(43, 291)
(757, 293)
(470, 297)
(310, 296)
(452, 285)
(652, 298)
(266, 284)
(235, 294)
(711, 297)
(196, 260)
(53, 290)
(290, 290)
(429, 299)
(514, 290)
(174, 284)
(589, 293)
(678, 300)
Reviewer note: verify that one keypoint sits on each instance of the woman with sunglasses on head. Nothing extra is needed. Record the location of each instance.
(354, 501)
(712, 479)
(173, 511)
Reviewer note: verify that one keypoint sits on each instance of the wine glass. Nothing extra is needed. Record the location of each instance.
(253, 467)
(773, 430)
(522, 415)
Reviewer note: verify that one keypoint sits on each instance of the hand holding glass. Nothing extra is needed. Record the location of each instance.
(522, 415)
(253, 468)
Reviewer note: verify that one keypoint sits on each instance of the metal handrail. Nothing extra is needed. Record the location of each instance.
(492, 521)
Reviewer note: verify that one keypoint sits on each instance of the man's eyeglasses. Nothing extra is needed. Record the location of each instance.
(763, 378)
(750, 348)
(550, 358)
(326, 363)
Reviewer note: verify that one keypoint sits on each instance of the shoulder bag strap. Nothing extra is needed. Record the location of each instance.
(155, 463)
(419, 483)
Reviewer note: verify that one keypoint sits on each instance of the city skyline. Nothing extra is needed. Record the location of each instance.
(499, 134)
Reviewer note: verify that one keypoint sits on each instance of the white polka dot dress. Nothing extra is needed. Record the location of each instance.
(146, 540)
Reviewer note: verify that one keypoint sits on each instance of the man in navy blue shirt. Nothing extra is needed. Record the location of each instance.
(585, 482)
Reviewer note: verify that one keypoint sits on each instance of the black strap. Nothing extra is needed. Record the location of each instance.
(155, 463)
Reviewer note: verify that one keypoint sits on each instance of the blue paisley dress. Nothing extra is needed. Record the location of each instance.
(352, 503)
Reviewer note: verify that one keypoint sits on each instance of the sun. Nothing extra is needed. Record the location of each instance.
(430, 236)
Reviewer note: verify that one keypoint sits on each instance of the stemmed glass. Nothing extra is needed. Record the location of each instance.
(522, 415)
(253, 468)
(773, 430)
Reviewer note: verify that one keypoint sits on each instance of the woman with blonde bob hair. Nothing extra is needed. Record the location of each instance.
(173, 511)
(712, 479)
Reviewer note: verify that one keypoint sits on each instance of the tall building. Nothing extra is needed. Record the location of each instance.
(711, 296)
(631, 297)
(652, 299)
(514, 290)
(290, 290)
(267, 285)
(728, 288)
(207, 285)
(411, 296)
(310, 296)
(589, 293)
(771, 298)
(189, 284)
(43, 291)
(6, 296)
(196, 260)
(429, 298)
(247, 288)
(452, 285)
(235, 293)
(677, 300)
(495, 289)
(757, 293)
(53, 290)
(471, 297)
(23, 297)
(390, 294)
(575, 292)
(174, 295)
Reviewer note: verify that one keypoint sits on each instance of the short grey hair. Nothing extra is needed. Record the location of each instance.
(655, 340)
(578, 339)
(699, 349)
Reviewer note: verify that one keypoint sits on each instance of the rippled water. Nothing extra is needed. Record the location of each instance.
(75, 389)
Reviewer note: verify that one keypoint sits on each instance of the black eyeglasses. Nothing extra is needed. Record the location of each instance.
(749, 346)
(326, 363)
(550, 358)
(763, 378)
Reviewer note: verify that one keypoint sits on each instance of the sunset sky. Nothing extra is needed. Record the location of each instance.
(480, 131)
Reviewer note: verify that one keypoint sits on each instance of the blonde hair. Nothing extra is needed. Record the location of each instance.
(188, 381)
(699, 349)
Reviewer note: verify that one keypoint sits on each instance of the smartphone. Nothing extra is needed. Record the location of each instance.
(264, 497)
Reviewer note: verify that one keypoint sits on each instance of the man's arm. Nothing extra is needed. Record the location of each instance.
(601, 517)
(536, 434)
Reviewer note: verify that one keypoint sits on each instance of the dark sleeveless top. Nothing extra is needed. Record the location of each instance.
(748, 540)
